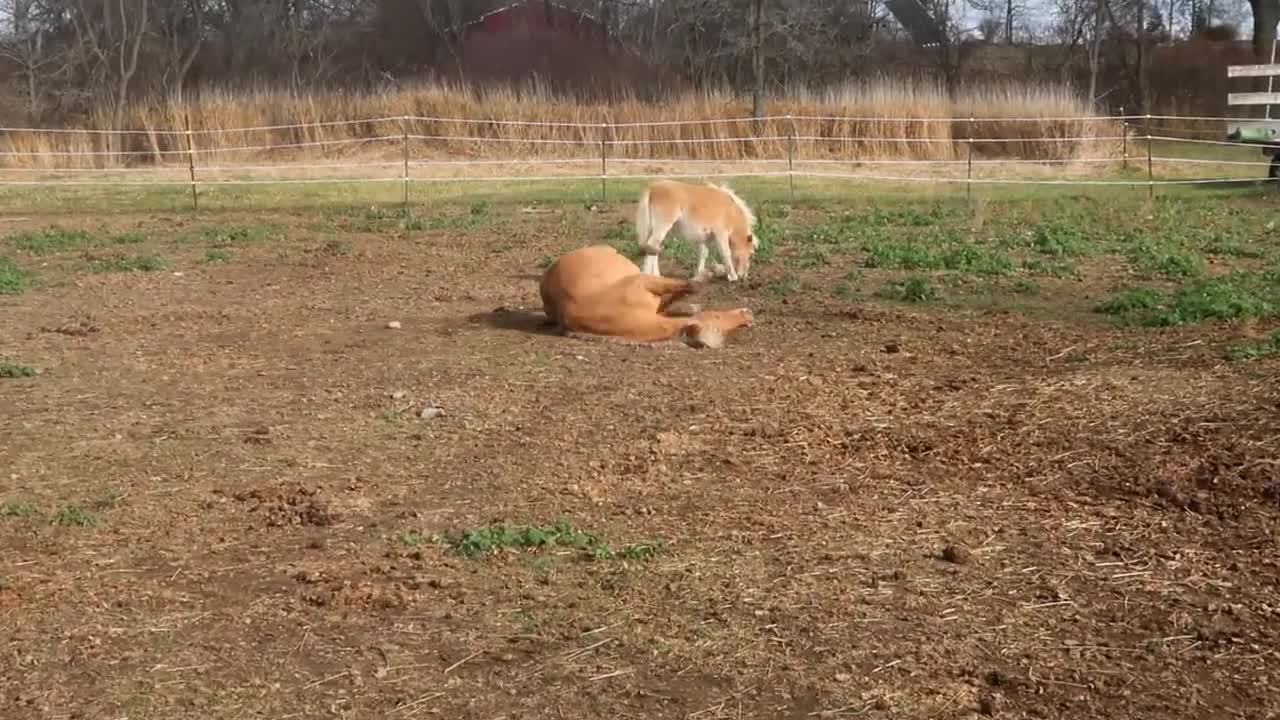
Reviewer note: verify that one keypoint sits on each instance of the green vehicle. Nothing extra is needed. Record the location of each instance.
(1264, 132)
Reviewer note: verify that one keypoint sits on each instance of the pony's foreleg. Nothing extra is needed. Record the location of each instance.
(722, 246)
(701, 272)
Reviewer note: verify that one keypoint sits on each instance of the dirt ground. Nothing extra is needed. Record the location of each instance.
(222, 501)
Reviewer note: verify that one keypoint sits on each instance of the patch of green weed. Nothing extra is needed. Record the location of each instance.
(914, 289)
(781, 287)
(108, 499)
(808, 258)
(480, 541)
(1129, 300)
(1163, 260)
(1229, 297)
(222, 236)
(16, 509)
(902, 256)
(50, 240)
(74, 516)
(1243, 295)
(129, 264)
(14, 370)
(1060, 239)
(1056, 268)
(1025, 287)
(13, 279)
(410, 538)
(973, 259)
(217, 255)
(128, 238)
(1255, 350)
(844, 291)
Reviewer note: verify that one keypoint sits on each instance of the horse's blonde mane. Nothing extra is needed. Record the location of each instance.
(742, 205)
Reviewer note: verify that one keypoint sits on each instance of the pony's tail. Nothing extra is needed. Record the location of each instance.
(644, 221)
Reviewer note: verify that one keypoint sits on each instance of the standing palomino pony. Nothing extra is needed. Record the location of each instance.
(705, 214)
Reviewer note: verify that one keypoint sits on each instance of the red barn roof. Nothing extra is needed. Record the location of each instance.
(543, 39)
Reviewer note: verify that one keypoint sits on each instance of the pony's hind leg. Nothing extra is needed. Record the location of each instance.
(659, 227)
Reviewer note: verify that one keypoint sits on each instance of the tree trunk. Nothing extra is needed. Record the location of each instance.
(1008, 22)
(1144, 93)
(757, 58)
(1095, 49)
(1265, 15)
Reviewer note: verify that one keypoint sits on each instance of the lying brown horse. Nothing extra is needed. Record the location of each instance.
(596, 292)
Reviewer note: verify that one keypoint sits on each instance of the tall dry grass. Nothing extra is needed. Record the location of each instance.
(886, 119)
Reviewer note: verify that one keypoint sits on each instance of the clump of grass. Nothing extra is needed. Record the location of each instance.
(474, 542)
(109, 498)
(129, 264)
(221, 236)
(808, 258)
(781, 287)
(914, 289)
(49, 240)
(1129, 300)
(1055, 268)
(480, 541)
(17, 509)
(74, 516)
(1255, 350)
(459, 223)
(768, 234)
(952, 254)
(217, 255)
(1060, 239)
(1222, 298)
(902, 256)
(410, 538)
(1229, 297)
(128, 238)
(13, 279)
(1163, 259)
(844, 291)
(14, 370)
(973, 259)
(1025, 287)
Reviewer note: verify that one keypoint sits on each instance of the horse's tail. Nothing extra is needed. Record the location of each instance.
(644, 220)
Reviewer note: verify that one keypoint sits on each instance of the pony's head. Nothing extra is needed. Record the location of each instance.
(742, 237)
(710, 328)
(742, 245)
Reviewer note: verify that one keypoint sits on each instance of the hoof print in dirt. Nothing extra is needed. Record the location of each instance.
(957, 554)
(989, 704)
(259, 436)
(284, 508)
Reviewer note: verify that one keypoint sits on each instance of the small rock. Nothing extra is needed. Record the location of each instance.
(398, 395)
(892, 348)
(431, 412)
(843, 677)
(394, 325)
(956, 554)
(989, 704)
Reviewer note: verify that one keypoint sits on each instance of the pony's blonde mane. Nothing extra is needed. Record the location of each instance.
(742, 205)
